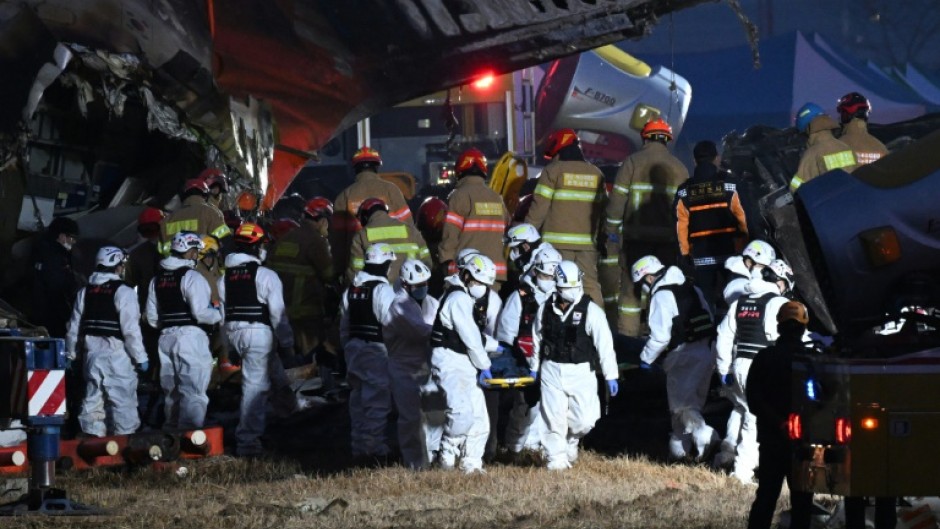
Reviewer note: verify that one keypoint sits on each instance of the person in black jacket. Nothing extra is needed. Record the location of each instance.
(768, 396)
(54, 282)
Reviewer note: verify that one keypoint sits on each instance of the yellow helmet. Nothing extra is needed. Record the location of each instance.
(210, 245)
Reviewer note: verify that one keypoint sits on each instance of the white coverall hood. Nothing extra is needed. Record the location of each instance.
(735, 264)
(238, 259)
(175, 263)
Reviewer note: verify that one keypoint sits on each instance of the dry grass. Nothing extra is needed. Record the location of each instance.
(600, 492)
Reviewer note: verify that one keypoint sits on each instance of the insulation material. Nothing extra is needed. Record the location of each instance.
(163, 118)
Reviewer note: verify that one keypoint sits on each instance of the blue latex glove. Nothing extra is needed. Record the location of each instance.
(613, 387)
(144, 366)
(645, 367)
(724, 380)
(501, 349)
(484, 375)
(534, 374)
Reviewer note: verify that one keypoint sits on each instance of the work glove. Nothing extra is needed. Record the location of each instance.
(613, 387)
(144, 366)
(724, 380)
(484, 376)
(534, 374)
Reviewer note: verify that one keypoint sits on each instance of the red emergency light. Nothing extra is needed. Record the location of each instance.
(795, 426)
(843, 430)
(484, 81)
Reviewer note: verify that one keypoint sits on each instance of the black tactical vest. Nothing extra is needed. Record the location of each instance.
(241, 295)
(693, 323)
(362, 321)
(100, 317)
(567, 342)
(750, 337)
(172, 309)
(443, 337)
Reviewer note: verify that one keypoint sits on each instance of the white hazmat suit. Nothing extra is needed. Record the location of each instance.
(110, 377)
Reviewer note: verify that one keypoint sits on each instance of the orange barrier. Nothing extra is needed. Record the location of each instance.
(13, 459)
(202, 443)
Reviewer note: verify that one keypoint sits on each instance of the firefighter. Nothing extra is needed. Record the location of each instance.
(406, 332)
(640, 214)
(217, 183)
(106, 319)
(431, 218)
(476, 216)
(378, 226)
(769, 398)
(368, 184)
(302, 259)
(745, 267)
(711, 222)
(749, 326)
(854, 109)
(254, 310)
(207, 264)
(179, 303)
(823, 152)
(514, 332)
(364, 315)
(195, 215)
(681, 329)
(571, 342)
(568, 205)
(460, 360)
(143, 257)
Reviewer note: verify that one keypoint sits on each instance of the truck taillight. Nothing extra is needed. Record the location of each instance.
(843, 430)
(795, 426)
(869, 423)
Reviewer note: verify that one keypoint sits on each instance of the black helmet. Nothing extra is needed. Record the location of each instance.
(853, 105)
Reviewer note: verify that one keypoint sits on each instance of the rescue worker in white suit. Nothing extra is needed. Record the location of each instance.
(407, 330)
(681, 329)
(742, 269)
(514, 332)
(570, 340)
(459, 359)
(364, 316)
(106, 318)
(254, 315)
(178, 303)
(755, 256)
(749, 326)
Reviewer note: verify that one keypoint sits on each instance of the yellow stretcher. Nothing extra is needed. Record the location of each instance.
(507, 383)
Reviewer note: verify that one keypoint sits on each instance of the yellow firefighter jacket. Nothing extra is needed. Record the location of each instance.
(303, 262)
(866, 147)
(823, 154)
(195, 215)
(406, 241)
(476, 218)
(568, 204)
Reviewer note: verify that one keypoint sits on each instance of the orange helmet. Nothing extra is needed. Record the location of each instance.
(282, 227)
(150, 216)
(249, 233)
(469, 160)
(318, 207)
(195, 186)
(558, 140)
(366, 155)
(656, 127)
(431, 215)
(368, 207)
(247, 201)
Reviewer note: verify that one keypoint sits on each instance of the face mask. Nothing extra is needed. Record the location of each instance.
(477, 291)
(263, 254)
(67, 246)
(647, 288)
(419, 293)
(571, 295)
(545, 285)
(515, 253)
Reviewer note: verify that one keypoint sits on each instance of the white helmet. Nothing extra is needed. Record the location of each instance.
(186, 240)
(379, 253)
(568, 275)
(414, 272)
(644, 266)
(547, 260)
(521, 233)
(464, 255)
(778, 269)
(760, 252)
(110, 256)
(481, 268)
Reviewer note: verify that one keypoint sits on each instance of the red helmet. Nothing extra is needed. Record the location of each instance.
(853, 105)
(214, 177)
(195, 185)
(558, 140)
(431, 215)
(522, 209)
(656, 127)
(366, 155)
(318, 207)
(150, 216)
(282, 227)
(368, 207)
(469, 160)
(249, 233)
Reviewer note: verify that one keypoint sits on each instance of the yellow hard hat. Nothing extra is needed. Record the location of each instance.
(210, 245)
